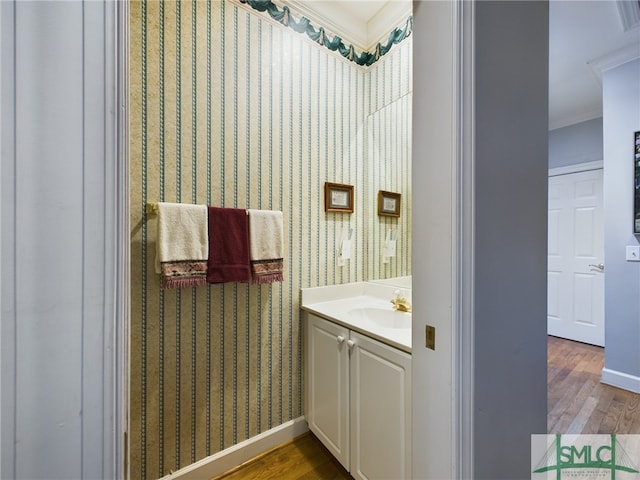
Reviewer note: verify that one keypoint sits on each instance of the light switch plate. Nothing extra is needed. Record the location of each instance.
(633, 253)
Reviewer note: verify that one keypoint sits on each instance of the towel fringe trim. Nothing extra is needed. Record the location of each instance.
(183, 273)
(184, 282)
(267, 271)
(273, 277)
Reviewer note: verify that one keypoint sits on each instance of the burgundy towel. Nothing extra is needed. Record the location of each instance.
(228, 246)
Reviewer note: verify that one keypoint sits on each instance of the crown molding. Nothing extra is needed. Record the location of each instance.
(614, 59)
(567, 121)
(392, 15)
(334, 20)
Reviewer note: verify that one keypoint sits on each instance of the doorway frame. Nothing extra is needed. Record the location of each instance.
(444, 448)
(576, 168)
(458, 426)
(123, 243)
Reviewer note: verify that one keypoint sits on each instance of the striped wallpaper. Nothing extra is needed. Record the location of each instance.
(229, 108)
(389, 169)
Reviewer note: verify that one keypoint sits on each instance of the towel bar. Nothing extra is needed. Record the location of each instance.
(152, 209)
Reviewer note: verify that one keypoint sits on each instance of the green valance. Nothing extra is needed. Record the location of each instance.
(303, 25)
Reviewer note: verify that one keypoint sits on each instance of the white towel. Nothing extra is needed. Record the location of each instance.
(183, 245)
(265, 246)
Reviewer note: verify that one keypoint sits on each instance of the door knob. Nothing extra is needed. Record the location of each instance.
(600, 266)
(351, 344)
(340, 339)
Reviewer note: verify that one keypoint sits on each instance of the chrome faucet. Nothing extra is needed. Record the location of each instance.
(400, 303)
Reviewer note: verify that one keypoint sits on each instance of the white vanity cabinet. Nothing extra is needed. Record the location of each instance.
(358, 400)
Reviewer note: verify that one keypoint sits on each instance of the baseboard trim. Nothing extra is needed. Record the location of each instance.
(621, 380)
(225, 460)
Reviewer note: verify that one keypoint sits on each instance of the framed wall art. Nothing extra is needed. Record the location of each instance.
(338, 197)
(389, 204)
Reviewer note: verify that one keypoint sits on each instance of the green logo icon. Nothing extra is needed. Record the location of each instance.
(600, 453)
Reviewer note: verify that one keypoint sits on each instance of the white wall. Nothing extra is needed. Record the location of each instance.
(621, 113)
(58, 171)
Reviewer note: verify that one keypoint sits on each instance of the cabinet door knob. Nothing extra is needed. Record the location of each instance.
(351, 344)
(340, 339)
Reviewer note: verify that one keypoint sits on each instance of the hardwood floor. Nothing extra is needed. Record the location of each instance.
(576, 403)
(576, 400)
(305, 458)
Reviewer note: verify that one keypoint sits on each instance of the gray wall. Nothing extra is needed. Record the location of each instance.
(510, 235)
(579, 143)
(58, 240)
(621, 111)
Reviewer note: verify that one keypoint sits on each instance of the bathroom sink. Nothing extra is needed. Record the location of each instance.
(363, 307)
(385, 317)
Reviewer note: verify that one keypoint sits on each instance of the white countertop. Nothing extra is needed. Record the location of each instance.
(342, 304)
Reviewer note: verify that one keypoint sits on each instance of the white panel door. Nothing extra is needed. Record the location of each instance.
(575, 308)
(380, 411)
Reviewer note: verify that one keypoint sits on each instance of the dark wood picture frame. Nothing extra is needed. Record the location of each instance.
(389, 204)
(338, 197)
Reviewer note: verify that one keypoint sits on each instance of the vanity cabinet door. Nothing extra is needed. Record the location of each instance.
(380, 410)
(327, 385)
